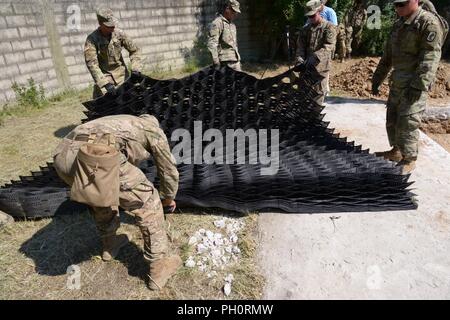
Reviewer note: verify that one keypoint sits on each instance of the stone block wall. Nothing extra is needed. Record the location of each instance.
(43, 39)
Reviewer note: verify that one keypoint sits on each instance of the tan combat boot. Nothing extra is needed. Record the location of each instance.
(112, 246)
(407, 165)
(161, 270)
(393, 155)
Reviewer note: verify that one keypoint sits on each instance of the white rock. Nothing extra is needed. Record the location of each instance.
(220, 223)
(216, 253)
(198, 235)
(229, 278)
(236, 250)
(234, 238)
(227, 289)
(202, 231)
(192, 240)
(201, 248)
(190, 263)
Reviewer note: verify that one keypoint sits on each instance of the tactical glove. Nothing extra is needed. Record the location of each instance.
(110, 88)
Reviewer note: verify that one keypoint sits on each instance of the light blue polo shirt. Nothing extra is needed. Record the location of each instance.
(330, 15)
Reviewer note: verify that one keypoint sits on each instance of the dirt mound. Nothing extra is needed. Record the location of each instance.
(441, 87)
(356, 80)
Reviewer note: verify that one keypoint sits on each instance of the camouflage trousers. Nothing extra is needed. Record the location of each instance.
(235, 65)
(341, 50)
(137, 195)
(403, 119)
(322, 88)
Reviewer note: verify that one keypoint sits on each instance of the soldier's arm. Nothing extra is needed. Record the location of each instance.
(90, 56)
(165, 164)
(384, 66)
(213, 41)
(134, 52)
(430, 54)
(329, 44)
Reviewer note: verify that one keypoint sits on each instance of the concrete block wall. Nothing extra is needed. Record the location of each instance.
(42, 39)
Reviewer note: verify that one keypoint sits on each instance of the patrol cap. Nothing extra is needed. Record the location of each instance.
(312, 7)
(234, 4)
(106, 16)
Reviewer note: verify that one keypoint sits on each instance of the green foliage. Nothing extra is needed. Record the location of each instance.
(30, 95)
(198, 56)
(273, 16)
(373, 40)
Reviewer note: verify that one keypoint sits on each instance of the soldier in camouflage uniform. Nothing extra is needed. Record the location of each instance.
(103, 54)
(354, 24)
(222, 37)
(136, 138)
(341, 51)
(413, 52)
(315, 45)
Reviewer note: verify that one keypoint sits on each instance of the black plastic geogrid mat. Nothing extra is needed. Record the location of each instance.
(318, 170)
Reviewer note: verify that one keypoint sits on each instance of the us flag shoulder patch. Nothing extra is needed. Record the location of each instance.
(431, 36)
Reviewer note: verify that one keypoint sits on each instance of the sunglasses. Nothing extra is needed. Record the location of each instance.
(401, 4)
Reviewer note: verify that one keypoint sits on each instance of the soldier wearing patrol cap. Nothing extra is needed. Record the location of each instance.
(222, 37)
(413, 51)
(315, 45)
(103, 54)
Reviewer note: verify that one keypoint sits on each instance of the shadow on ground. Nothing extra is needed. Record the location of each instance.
(72, 239)
(64, 131)
(338, 100)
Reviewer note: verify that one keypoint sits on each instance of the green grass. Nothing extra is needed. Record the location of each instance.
(15, 109)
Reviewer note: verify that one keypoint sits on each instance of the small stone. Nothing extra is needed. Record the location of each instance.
(220, 223)
(190, 263)
(234, 238)
(192, 240)
(236, 250)
(227, 289)
(201, 248)
(229, 278)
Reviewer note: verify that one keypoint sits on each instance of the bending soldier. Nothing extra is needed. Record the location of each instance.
(99, 160)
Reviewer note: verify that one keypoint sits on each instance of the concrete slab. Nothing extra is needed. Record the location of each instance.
(383, 255)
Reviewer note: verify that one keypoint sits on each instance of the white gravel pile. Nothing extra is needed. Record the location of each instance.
(216, 250)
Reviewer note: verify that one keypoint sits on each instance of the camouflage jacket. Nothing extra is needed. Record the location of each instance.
(319, 40)
(104, 56)
(413, 51)
(222, 41)
(137, 138)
